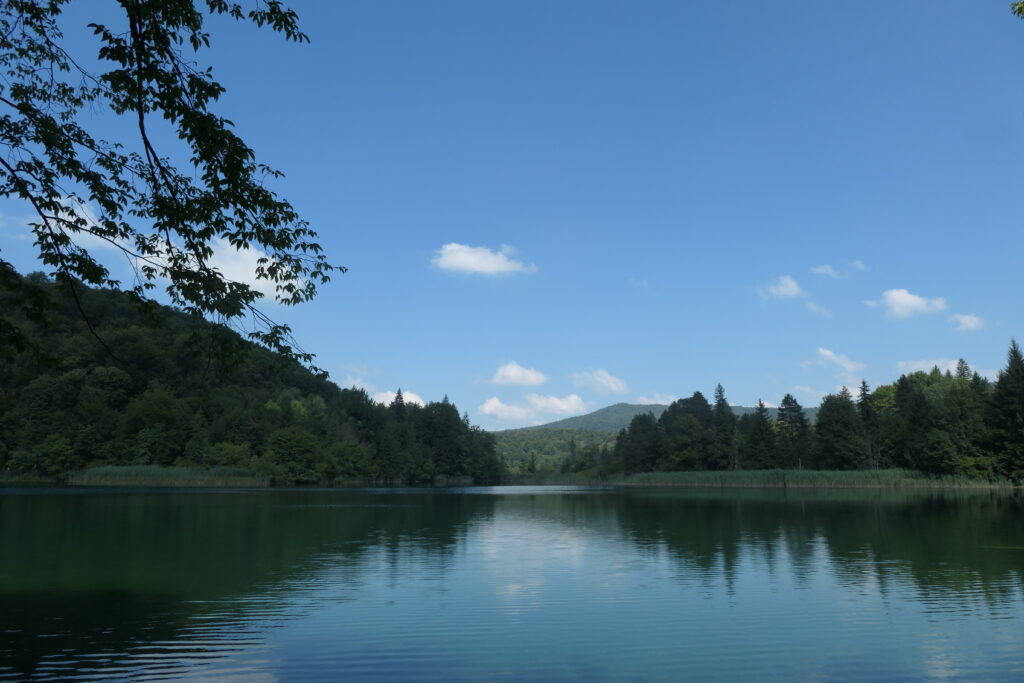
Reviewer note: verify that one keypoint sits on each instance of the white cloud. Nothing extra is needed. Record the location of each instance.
(656, 399)
(359, 383)
(819, 309)
(833, 272)
(849, 370)
(967, 322)
(899, 303)
(826, 270)
(387, 397)
(838, 359)
(503, 411)
(514, 373)
(785, 287)
(462, 258)
(600, 381)
(535, 405)
(570, 405)
(239, 265)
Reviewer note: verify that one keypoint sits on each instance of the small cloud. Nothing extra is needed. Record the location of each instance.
(899, 303)
(514, 373)
(656, 399)
(835, 273)
(769, 405)
(600, 381)
(388, 397)
(639, 284)
(462, 258)
(820, 310)
(826, 270)
(239, 265)
(870, 303)
(785, 287)
(535, 404)
(360, 383)
(570, 405)
(967, 322)
(503, 411)
(849, 370)
(842, 361)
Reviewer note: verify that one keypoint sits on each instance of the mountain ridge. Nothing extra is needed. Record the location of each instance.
(618, 416)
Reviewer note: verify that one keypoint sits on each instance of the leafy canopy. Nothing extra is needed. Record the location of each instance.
(127, 193)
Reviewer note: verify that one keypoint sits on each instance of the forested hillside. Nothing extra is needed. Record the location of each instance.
(573, 443)
(540, 449)
(165, 388)
(939, 423)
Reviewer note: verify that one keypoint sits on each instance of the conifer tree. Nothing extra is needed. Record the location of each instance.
(794, 434)
(1008, 415)
(724, 454)
(839, 433)
(871, 426)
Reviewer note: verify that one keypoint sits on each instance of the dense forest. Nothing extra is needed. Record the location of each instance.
(952, 423)
(568, 445)
(102, 382)
(540, 449)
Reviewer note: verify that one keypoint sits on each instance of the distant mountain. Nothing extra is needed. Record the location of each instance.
(618, 416)
(547, 445)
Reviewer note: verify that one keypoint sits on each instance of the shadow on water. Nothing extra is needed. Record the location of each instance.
(100, 574)
(149, 583)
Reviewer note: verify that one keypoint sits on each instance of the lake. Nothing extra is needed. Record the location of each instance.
(511, 582)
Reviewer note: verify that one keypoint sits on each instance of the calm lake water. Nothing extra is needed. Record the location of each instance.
(513, 582)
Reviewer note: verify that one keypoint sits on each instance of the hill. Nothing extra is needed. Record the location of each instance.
(545, 447)
(618, 416)
(168, 389)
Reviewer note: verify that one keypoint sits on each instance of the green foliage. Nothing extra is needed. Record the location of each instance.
(127, 193)
(547, 448)
(164, 401)
(956, 426)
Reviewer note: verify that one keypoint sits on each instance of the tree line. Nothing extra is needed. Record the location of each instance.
(942, 423)
(168, 388)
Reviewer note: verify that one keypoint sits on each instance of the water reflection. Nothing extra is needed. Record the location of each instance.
(526, 582)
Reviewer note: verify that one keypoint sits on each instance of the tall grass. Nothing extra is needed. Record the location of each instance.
(154, 475)
(893, 478)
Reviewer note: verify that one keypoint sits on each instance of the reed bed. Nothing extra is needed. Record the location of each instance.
(893, 478)
(154, 475)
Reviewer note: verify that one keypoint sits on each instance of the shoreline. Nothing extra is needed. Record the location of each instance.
(152, 476)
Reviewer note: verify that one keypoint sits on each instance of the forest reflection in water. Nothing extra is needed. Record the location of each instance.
(545, 582)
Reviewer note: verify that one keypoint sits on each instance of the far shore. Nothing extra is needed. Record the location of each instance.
(152, 476)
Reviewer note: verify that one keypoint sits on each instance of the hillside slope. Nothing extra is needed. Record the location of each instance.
(165, 388)
(618, 416)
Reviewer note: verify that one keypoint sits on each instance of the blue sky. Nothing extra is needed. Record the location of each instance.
(548, 207)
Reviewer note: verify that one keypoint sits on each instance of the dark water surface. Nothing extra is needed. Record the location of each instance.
(511, 582)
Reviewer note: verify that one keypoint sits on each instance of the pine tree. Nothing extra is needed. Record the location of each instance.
(758, 439)
(794, 434)
(1008, 415)
(839, 433)
(871, 425)
(724, 454)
